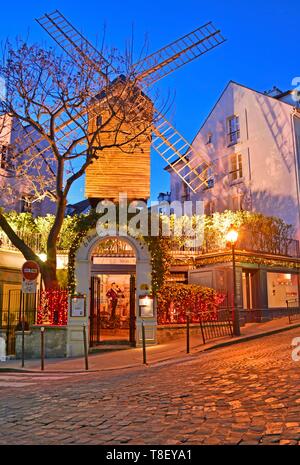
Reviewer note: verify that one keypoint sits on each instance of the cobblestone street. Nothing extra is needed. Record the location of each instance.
(243, 394)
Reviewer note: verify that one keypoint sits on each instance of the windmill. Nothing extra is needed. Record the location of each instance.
(116, 171)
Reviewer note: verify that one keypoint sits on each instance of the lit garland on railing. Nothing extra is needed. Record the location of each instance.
(251, 258)
(159, 248)
(175, 300)
(53, 307)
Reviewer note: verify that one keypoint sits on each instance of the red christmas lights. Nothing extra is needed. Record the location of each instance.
(53, 308)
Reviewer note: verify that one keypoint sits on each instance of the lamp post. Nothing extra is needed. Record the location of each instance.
(232, 237)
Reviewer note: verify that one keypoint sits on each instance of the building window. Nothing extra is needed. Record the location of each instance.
(209, 138)
(233, 130)
(210, 177)
(282, 287)
(236, 167)
(5, 162)
(209, 208)
(26, 205)
(185, 192)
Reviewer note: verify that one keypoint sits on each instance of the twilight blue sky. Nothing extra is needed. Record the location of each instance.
(262, 47)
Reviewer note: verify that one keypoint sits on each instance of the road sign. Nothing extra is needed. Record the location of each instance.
(30, 270)
(28, 287)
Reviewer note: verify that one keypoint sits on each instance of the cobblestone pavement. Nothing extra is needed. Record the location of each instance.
(243, 394)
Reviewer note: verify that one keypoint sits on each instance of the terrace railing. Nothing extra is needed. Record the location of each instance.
(256, 242)
(33, 240)
(293, 309)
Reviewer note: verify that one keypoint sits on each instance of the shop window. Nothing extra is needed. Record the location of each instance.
(282, 287)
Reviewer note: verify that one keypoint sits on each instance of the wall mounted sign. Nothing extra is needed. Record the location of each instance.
(78, 306)
(114, 260)
(146, 306)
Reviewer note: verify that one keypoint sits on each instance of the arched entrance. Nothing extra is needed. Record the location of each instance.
(85, 270)
(112, 301)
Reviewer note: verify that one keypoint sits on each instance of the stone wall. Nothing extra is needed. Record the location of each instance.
(55, 342)
(167, 333)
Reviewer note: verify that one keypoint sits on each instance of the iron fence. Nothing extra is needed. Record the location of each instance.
(258, 242)
(293, 309)
(216, 324)
(33, 240)
(16, 308)
(267, 314)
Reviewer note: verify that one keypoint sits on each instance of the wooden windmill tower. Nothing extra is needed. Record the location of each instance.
(118, 170)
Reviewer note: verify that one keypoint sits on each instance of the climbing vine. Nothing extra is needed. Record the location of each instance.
(175, 300)
(82, 225)
(273, 235)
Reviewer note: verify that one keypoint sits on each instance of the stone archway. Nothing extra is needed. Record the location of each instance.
(83, 266)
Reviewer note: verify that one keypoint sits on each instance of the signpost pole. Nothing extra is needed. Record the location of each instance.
(30, 272)
(23, 332)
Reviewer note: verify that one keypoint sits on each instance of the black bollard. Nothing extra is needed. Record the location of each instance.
(85, 347)
(144, 345)
(42, 348)
(187, 333)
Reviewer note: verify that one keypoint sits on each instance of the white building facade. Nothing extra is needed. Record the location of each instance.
(253, 142)
(26, 180)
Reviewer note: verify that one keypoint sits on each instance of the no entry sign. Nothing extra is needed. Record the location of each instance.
(30, 270)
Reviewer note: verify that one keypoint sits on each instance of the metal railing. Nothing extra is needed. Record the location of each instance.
(266, 314)
(33, 240)
(293, 309)
(16, 308)
(252, 241)
(216, 324)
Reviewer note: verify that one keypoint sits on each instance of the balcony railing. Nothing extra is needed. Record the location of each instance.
(33, 240)
(248, 241)
(258, 242)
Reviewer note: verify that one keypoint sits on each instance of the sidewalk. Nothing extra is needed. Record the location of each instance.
(133, 357)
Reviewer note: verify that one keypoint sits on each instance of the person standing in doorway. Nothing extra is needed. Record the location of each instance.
(112, 294)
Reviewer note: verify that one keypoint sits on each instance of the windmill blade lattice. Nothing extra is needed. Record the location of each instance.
(190, 166)
(178, 53)
(73, 42)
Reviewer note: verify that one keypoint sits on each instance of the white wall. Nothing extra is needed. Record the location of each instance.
(34, 175)
(269, 183)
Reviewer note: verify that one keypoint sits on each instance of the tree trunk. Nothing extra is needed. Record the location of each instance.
(49, 277)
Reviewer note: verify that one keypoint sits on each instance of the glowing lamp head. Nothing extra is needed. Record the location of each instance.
(232, 235)
(42, 257)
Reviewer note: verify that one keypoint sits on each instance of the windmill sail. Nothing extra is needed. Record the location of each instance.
(190, 166)
(73, 42)
(178, 53)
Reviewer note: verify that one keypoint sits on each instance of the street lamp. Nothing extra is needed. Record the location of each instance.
(232, 237)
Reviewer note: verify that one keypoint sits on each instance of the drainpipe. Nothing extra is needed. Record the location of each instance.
(296, 114)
